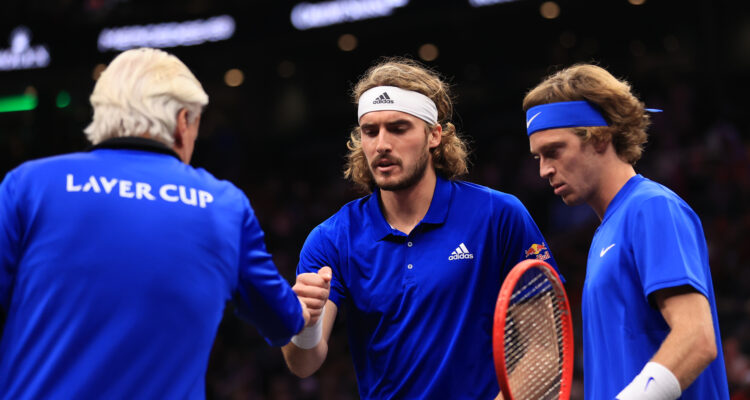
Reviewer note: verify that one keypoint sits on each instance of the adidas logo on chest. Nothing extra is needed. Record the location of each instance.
(461, 253)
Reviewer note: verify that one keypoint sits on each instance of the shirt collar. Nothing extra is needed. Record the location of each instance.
(441, 201)
(621, 195)
(135, 143)
(436, 214)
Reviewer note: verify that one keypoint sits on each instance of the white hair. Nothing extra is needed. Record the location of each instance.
(141, 92)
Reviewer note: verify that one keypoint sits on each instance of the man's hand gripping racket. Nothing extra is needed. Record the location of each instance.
(533, 335)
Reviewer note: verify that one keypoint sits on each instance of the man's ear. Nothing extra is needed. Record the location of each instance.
(601, 145)
(180, 128)
(600, 142)
(435, 136)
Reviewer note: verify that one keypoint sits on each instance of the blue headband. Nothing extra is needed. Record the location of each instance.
(566, 114)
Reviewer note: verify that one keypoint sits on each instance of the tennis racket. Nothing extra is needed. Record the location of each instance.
(533, 334)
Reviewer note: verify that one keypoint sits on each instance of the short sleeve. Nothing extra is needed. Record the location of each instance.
(520, 236)
(264, 298)
(669, 246)
(10, 238)
(317, 252)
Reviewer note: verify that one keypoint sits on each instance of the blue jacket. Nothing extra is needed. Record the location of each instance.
(115, 268)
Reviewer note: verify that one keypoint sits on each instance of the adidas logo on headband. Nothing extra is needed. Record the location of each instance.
(383, 99)
(393, 98)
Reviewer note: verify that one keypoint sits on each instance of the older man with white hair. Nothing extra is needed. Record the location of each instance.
(116, 263)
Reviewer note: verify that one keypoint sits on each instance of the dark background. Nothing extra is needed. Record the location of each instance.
(280, 136)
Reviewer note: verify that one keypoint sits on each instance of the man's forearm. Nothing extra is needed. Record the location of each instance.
(690, 345)
(304, 362)
(687, 353)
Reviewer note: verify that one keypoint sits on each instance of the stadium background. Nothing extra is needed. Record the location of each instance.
(279, 131)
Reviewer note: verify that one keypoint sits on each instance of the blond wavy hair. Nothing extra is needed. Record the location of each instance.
(614, 98)
(449, 158)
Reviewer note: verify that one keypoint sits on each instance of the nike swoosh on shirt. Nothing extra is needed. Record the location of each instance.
(604, 251)
(531, 119)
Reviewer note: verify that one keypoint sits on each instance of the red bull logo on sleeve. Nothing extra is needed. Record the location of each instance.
(538, 250)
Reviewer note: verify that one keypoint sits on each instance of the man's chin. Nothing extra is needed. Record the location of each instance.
(405, 179)
(391, 186)
(571, 201)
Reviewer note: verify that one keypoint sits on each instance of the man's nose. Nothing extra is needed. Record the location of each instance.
(383, 142)
(546, 170)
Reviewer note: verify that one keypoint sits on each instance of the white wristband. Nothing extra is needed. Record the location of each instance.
(310, 336)
(655, 382)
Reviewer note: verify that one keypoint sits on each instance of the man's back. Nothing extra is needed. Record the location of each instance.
(117, 266)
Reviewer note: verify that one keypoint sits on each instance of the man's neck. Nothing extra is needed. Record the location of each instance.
(403, 209)
(616, 173)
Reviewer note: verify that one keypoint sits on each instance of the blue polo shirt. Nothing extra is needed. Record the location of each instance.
(649, 239)
(115, 268)
(419, 307)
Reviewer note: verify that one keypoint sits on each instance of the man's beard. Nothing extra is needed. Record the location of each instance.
(412, 177)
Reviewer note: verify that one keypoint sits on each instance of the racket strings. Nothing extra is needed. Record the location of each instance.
(534, 355)
(536, 364)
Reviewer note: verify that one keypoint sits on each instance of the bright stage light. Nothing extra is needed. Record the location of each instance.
(307, 15)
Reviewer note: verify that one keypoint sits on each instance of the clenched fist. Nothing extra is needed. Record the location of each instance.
(313, 289)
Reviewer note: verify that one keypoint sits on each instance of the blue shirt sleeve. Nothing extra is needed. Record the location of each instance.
(317, 252)
(669, 247)
(521, 238)
(10, 239)
(265, 298)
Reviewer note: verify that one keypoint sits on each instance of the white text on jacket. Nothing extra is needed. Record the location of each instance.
(140, 190)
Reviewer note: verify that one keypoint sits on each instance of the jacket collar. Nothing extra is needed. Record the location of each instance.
(135, 143)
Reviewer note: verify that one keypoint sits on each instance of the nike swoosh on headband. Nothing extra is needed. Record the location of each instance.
(566, 114)
(531, 119)
(563, 114)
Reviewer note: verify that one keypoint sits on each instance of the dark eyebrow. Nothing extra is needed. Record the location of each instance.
(389, 123)
(548, 147)
(399, 122)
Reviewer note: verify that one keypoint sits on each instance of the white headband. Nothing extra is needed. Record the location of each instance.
(393, 98)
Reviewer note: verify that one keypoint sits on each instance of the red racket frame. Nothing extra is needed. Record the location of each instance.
(501, 309)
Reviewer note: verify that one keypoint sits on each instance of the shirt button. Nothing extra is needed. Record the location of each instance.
(410, 244)
(410, 266)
